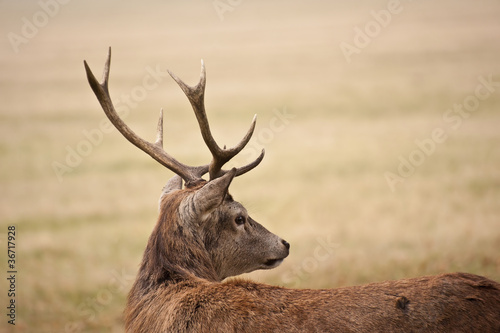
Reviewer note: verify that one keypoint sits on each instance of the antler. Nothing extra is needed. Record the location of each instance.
(195, 95)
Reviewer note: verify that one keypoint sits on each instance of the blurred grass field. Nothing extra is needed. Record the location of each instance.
(331, 130)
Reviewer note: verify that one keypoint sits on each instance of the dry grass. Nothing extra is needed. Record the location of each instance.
(322, 181)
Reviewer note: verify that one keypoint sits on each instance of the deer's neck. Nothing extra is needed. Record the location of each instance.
(173, 255)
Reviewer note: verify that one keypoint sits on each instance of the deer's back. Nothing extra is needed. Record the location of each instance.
(445, 303)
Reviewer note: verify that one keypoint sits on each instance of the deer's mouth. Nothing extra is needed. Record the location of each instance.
(271, 263)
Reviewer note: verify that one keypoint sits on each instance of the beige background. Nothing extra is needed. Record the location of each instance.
(84, 200)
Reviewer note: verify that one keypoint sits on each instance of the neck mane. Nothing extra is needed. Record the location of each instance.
(174, 252)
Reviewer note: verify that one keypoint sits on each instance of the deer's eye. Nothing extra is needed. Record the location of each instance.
(240, 220)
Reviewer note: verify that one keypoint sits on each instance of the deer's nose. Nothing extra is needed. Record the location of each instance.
(287, 245)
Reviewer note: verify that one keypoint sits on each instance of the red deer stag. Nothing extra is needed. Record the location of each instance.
(203, 236)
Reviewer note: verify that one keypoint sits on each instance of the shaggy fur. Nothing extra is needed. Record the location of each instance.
(178, 289)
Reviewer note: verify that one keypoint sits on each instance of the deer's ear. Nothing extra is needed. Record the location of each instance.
(213, 193)
(173, 184)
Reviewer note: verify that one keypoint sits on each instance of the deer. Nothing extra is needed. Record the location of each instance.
(203, 237)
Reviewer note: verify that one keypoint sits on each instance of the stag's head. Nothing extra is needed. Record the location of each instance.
(201, 230)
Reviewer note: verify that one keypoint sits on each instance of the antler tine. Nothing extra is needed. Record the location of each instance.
(249, 166)
(196, 96)
(159, 130)
(189, 174)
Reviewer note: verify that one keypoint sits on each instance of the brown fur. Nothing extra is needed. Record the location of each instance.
(445, 303)
(178, 290)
